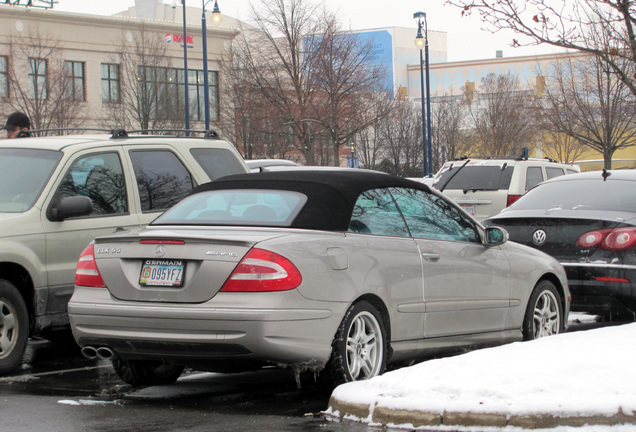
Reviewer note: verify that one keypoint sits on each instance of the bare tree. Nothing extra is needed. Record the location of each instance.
(401, 136)
(351, 84)
(585, 100)
(249, 119)
(501, 117)
(40, 85)
(151, 92)
(603, 28)
(276, 67)
(563, 148)
(314, 79)
(448, 128)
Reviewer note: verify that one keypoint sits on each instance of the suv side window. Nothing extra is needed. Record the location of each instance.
(375, 212)
(99, 177)
(217, 162)
(553, 172)
(534, 176)
(431, 217)
(162, 179)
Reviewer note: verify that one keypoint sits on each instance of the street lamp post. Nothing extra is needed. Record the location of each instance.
(422, 42)
(216, 19)
(185, 70)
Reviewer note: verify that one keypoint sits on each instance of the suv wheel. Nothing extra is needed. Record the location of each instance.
(14, 327)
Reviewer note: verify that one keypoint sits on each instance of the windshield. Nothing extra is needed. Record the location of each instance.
(480, 177)
(614, 195)
(23, 175)
(236, 207)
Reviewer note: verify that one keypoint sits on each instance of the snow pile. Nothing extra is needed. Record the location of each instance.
(582, 373)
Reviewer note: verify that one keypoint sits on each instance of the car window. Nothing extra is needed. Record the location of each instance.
(432, 217)
(217, 162)
(480, 177)
(554, 172)
(580, 195)
(23, 175)
(534, 176)
(99, 177)
(162, 179)
(375, 212)
(236, 207)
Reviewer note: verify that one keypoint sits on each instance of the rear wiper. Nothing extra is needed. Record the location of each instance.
(454, 174)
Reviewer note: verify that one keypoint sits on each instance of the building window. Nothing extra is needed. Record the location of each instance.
(4, 77)
(37, 78)
(163, 89)
(110, 83)
(75, 81)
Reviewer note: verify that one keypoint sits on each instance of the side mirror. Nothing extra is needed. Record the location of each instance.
(496, 236)
(74, 206)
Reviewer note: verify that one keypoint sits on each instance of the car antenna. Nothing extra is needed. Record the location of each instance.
(605, 174)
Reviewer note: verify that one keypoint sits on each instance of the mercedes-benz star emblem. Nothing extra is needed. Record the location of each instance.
(160, 250)
(539, 237)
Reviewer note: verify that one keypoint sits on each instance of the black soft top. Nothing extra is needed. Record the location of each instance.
(331, 194)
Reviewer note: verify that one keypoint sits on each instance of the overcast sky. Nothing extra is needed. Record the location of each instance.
(466, 40)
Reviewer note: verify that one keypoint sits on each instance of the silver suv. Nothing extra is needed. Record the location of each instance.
(485, 186)
(58, 193)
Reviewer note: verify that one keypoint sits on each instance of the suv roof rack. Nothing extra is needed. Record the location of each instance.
(118, 133)
(122, 133)
(499, 157)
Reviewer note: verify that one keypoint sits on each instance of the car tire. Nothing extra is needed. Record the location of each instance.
(146, 373)
(359, 348)
(544, 313)
(14, 327)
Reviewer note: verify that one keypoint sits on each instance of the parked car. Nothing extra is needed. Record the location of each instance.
(58, 193)
(338, 271)
(485, 186)
(257, 165)
(588, 222)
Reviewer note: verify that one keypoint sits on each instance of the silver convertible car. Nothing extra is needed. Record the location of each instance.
(336, 271)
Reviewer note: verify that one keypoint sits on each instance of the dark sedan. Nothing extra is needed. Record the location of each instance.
(588, 222)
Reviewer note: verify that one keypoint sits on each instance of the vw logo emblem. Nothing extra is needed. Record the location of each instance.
(160, 250)
(539, 237)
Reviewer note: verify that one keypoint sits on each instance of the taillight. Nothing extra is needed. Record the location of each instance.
(261, 271)
(591, 239)
(87, 273)
(618, 239)
(512, 199)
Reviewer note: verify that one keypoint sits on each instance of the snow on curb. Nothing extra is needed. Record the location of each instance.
(572, 379)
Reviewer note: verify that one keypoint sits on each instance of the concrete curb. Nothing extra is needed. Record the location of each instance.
(387, 416)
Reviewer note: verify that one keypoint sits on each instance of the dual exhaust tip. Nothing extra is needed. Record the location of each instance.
(103, 353)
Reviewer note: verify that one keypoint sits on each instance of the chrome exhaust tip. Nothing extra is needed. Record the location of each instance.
(89, 352)
(105, 353)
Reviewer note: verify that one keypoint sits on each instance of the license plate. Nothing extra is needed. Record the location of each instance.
(168, 273)
(470, 209)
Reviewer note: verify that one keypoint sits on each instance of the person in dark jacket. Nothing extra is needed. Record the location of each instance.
(17, 122)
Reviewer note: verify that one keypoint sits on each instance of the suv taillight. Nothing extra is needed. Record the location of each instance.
(512, 199)
(262, 271)
(87, 273)
(618, 239)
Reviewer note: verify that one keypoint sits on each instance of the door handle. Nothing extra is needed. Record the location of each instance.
(430, 257)
(119, 229)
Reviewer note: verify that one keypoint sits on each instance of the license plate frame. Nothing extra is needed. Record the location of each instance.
(163, 273)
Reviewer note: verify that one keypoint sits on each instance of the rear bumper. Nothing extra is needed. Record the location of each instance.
(192, 334)
(599, 288)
